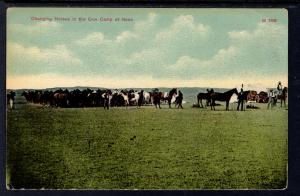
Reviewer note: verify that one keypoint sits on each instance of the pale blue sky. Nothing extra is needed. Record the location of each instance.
(160, 47)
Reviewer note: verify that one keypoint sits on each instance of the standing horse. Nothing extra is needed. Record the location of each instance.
(125, 97)
(11, 99)
(160, 96)
(147, 98)
(205, 96)
(283, 96)
(222, 97)
(156, 99)
(169, 96)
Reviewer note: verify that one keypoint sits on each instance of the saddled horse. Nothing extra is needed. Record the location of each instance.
(283, 96)
(222, 97)
(11, 99)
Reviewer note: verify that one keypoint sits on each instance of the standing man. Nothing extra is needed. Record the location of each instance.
(241, 99)
(179, 99)
(271, 99)
(279, 88)
(141, 98)
(106, 100)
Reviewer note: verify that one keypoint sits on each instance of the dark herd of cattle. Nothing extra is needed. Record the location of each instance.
(81, 98)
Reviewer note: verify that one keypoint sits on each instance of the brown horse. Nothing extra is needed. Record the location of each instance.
(61, 99)
(222, 97)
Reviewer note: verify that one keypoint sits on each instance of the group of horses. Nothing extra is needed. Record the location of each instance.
(97, 98)
(211, 97)
(118, 98)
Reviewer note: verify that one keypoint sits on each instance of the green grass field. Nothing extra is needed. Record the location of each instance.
(147, 148)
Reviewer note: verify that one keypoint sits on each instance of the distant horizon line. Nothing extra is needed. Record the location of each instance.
(120, 87)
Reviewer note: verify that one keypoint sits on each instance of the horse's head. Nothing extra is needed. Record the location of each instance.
(173, 92)
(235, 91)
(24, 93)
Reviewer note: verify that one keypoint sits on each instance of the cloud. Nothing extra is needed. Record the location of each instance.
(183, 30)
(36, 28)
(261, 52)
(125, 35)
(39, 59)
(94, 38)
(175, 50)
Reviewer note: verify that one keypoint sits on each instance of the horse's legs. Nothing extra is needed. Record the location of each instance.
(212, 104)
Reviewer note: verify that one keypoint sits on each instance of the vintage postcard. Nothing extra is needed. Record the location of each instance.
(147, 98)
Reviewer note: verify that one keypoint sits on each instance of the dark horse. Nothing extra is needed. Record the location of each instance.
(283, 96)
(158, 96)
(205, 96)
(222, 97)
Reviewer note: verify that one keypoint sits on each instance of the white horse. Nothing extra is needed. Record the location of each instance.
(135, 98)
(173, 100)
(147, 98)
(126, 99)
(233, 101)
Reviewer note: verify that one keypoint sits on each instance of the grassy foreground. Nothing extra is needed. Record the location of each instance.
(147, 148)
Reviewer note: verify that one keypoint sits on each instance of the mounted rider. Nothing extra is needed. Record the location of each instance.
(279, 88)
